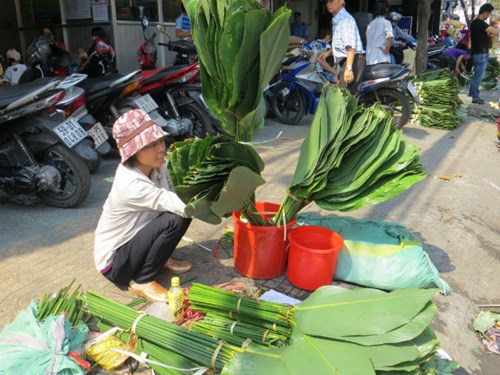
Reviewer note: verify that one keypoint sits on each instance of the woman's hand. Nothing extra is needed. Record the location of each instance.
(83, 55)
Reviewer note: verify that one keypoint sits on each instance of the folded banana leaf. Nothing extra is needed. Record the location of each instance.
(352, 157)
(214, 176)
(240, 47)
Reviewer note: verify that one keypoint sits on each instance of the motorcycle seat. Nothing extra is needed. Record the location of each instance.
(162, 74)
(91, 85)
(9, 94)
(381, 71)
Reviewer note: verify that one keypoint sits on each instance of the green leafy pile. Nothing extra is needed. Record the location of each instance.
(441, 107)
(240, 46)
(334, 331)
(352, 157)
(214, 176)
(490, 79)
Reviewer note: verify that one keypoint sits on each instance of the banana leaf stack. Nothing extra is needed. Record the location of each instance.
(240, 46)
(441, 107)
(215, 176)
(335, 331)
(352, 157)
(490, 79)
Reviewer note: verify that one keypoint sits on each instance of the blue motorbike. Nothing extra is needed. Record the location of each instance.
(296, 91)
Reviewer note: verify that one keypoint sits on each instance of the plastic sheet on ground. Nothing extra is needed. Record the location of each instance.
(31, 347)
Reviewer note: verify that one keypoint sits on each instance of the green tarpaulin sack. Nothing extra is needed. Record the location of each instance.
(379, 254)
(30, 347)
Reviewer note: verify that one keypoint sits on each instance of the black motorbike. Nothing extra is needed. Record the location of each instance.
(35, 146)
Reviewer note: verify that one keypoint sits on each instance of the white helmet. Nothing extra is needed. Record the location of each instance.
(394, 16)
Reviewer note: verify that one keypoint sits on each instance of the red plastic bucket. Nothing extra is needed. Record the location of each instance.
(260, 251)
(312, 256)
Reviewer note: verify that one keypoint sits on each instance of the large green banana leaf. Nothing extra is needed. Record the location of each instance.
(214, 176)
(240, 47)
(305, 355)
(351, 157)
(370, 311)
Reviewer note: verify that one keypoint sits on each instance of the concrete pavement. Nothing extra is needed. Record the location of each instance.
(43, 248)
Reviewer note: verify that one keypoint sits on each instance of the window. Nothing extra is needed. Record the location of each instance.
(133, 10)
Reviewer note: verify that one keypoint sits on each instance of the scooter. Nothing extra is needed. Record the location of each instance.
(298, 89)
(37, 153)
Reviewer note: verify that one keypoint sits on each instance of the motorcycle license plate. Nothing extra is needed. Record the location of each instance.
(98, 133)
(413, 91)
(146, 103)
(70, 132)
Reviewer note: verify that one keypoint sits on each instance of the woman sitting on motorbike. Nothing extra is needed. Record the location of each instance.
(99, 60)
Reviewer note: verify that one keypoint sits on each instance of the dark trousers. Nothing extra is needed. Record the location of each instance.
(143, 257)
(358, 70)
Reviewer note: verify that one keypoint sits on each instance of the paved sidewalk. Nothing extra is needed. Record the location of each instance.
(42, 248)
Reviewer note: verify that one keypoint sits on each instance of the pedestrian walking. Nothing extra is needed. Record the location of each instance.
(347, 49)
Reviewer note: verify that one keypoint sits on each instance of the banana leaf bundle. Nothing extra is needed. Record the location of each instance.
(352, 157)
(338, 331)
(240, 47)
(490, 79)
(215, 176)
(441, 107)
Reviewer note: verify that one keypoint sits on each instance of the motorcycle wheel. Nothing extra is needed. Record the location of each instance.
(289, 106)
(75, 177)
(202, 126)
(396, 102)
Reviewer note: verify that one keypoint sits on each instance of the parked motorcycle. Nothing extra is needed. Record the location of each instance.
(296, 91)
(36, 140)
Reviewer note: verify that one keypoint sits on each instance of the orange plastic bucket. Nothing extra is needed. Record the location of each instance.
(260, 251)
(312, 256)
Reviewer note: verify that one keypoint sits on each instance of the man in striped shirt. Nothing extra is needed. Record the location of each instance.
(347, 49)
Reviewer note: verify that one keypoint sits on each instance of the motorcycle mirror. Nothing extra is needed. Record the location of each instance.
(145, 22)
(160, 28)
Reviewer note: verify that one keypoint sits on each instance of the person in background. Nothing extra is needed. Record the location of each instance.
(48, 32)
(480, 43)
(99, 59)
(299, 28)
(447, 41)
(379, 36)
(347, 49)
(320, 44)
(402, 37)
(183, 25)
(16, 68)
(142, 220)
(455, 59)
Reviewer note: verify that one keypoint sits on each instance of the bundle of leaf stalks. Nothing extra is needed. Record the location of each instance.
(351, 158)
(61, 302)
(441, 107)
(196, 347)
(364, 331)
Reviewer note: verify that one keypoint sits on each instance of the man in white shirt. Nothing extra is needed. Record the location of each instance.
(347, 49)
(379, 36)
(16, 69)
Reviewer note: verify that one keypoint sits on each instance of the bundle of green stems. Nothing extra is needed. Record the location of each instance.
(205, 299)
(155, 353)
(199, 348)
(51, 304)
(240, 333)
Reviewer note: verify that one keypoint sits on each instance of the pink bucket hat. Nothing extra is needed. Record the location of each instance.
(133, 131)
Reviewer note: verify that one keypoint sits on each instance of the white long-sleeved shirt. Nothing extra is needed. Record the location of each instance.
(134, 201)
(377, 33)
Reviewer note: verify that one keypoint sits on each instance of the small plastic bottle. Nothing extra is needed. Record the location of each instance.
(176, 297)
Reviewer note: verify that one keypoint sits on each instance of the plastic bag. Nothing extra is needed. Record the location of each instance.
(379, 254)
(30, 347)
(109, 359)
